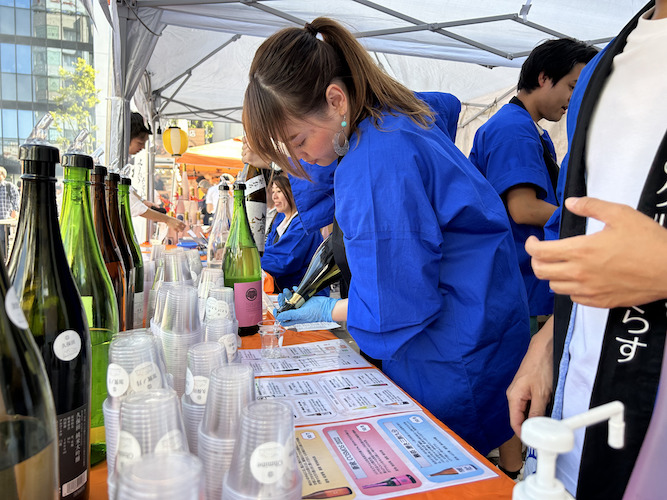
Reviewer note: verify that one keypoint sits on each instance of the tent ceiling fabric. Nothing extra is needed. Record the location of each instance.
(428, 44)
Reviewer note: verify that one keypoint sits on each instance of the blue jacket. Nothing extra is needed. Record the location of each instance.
(507, 150)
(287, 258)
(435, 292)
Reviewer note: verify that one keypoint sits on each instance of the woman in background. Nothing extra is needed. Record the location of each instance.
(288, 247)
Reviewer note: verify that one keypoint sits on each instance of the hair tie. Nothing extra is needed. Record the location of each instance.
(310, 29)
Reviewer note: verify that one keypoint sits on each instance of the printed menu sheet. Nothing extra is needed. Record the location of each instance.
(379, 456)
(305, 358)
(336, 396)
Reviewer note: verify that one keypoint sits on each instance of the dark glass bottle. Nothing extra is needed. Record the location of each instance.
(135, 249)
(50, 300)
(110, 253)
(123, 246)
(94, 283)
(321, 272)
(242, 268)
(255, 192)
(29, 447)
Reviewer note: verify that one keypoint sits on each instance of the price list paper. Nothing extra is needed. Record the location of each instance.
(336, 396)
(305, 358)
(383, 456)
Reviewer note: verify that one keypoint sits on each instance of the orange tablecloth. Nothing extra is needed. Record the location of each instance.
(498, 488)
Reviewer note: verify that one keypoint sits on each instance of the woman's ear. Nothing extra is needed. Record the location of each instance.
(337, 99)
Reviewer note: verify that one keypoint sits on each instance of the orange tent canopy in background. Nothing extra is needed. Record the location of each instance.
(223, 156)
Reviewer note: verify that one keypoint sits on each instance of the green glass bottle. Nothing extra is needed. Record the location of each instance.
(107, 242)
(123, 246)
(29, 447)
(50, 300)
(137, 259)
(242, 267)
(92, 278)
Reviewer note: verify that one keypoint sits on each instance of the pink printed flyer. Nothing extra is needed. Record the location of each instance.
(369, 459)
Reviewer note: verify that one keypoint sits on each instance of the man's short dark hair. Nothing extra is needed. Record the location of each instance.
(137, 126)
(555, 58)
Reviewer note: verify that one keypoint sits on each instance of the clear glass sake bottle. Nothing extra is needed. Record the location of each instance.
(29, 446)
(50, 300)
(219, 228)
(94, 283)
(135, 249)
(107, 242)
(242, 268)
(123, 246)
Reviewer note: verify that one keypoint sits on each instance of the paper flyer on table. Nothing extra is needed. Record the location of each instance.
(380, 456)
(305, 358)
(336, 396)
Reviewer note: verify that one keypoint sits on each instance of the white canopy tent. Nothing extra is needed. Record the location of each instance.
(190, 58)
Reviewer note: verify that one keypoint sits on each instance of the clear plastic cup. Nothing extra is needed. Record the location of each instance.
(150, 422)
(203, 358)
(192, 417)
(157, 252)
(272, 335)
(210, 278)
(219, 304)
(225, 332)
(135, 365)
(231, 388)
(216, 455)
(193, 260)
(111, 430)
(264, 463)
(178, 476)
(176, 267)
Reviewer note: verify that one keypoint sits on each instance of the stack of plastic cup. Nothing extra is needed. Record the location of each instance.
(176, 267)
(193, 259)
(149, 277)
(150, 422)
(158, 309)
(153, 288)
(264, 463)
(231, 389)
(210, 278)
(271, 334)
(203, 358)
(157, 252)
(226, 332)
(134, 366)
(219, 304)
(178, 476)
(180, 329)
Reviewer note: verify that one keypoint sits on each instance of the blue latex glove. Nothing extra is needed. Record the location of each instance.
(284, 297)
(316, 309)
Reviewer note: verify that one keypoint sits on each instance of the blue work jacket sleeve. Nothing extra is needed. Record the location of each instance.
(291, 254)
(508, 151)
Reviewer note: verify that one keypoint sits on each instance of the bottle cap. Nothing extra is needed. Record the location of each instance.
(39, 152)
(113, 177)
(77, 160)
(239, 186)
(100, 170)
(126, 181)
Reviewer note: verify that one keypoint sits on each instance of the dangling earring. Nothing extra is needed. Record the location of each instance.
(341, 150)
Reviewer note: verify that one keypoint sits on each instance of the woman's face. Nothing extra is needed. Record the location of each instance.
(280, 200)
(311, 139)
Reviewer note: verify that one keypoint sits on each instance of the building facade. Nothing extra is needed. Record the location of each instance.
(37, 37)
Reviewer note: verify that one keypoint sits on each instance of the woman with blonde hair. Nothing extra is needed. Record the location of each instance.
(435, 292)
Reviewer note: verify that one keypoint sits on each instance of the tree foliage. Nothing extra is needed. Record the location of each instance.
(208, 125)
(75, 103)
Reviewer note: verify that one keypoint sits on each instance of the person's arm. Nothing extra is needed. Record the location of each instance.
(339, 312)
(14, 201)
(524, 206)
(249, 156)
(622, 265)
(176, 224)
(530, 391)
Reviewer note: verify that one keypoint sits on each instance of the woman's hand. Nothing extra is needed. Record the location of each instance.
(249, 156)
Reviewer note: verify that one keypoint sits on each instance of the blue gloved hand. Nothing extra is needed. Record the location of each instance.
(316, 309)
(284, 297)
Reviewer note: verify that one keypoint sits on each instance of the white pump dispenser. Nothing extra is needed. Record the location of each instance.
(552, 437)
